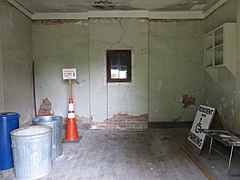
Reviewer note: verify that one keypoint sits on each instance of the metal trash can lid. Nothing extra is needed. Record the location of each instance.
(31, 131)
(6, 115)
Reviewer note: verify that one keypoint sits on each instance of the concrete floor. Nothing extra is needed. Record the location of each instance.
(132, 155)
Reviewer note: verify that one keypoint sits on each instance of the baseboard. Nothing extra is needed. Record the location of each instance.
(184, 124)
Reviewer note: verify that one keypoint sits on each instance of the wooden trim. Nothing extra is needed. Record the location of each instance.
(184, 124)
(194, 160)
(129, 67)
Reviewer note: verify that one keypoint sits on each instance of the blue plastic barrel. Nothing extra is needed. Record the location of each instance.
(8, 122)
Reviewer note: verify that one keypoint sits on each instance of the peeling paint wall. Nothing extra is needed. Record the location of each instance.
(113, 98)
(188, 101)
(237, 94)
(1, 75)
(226, 13)
(222, 94)
(16, 62)
(58, 45)
(166, 64)
(175, 69)
(83, 45)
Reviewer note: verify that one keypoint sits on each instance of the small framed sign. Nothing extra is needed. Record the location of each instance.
(70, 73)
(203, 120)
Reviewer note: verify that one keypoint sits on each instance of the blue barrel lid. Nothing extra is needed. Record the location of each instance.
(4, 115)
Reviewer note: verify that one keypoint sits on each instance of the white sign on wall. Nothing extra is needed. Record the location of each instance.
(69, 73)
(203, 120)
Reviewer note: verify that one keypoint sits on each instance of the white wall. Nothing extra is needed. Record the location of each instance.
(175, 69)
(108, 99)
(1, 75)
(16, 62)
(57, 46)
(222, 94)
(165, 51)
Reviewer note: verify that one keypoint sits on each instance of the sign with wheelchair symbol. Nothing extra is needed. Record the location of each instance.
(203, 120)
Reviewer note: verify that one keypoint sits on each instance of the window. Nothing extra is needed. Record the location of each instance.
(119, 66)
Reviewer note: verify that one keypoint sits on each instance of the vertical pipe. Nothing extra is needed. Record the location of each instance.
(70, 88)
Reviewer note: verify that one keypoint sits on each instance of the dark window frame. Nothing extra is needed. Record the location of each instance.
(128, 53)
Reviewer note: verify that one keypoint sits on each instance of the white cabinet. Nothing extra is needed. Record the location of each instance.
(220, 49)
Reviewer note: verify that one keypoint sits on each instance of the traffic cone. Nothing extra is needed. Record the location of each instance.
(71, 131)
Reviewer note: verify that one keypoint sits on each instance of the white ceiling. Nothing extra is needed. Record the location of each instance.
(36, 7)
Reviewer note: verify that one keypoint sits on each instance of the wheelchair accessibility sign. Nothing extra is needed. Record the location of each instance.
(203, 120)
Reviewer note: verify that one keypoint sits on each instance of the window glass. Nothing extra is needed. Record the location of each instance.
(118, 65)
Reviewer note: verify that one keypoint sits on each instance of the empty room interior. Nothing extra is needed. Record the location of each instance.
(127, 79)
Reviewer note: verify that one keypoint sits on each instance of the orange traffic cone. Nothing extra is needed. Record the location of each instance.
(71, 132)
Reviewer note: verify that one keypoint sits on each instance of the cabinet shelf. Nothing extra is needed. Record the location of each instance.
(209, 48)
(220, 50)
(219, 46)
(219, 42)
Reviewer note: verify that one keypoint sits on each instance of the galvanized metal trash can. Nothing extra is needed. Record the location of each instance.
(55, 122)
(32, 152)
(8, 122)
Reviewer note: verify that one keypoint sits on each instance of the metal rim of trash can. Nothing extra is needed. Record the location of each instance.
(14, 132)
(47, 118)
(55, 122)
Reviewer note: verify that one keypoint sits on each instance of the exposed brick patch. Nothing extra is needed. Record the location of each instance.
(125, 121)
(45, 108)
(188, 100)
(117, 122)
(82, 122)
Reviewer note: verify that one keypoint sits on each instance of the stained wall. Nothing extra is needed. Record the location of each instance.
(16, 93)
(166, 65)
(221, 94)
(58, 45)
(108, 99)
(167, 61)
(175, 69)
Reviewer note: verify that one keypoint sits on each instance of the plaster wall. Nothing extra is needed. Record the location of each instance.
(222, 94)
(225, 13)
(58, 45)
(175, 69)
(108, 99)
(1, 73)
(166, 64)
(16, 62)
(237, 107)
(83, 45)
